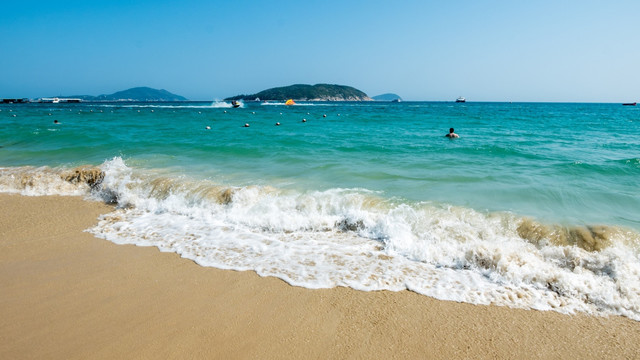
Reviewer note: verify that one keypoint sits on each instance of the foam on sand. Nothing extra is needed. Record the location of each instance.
(359, 239)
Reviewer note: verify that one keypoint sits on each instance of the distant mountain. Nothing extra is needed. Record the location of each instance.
(387, 97)
(302, 92)
(133, 94)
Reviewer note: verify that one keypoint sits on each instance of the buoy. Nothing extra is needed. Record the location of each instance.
(208, 127)
(277, 124)
(246, 125)
(325, 115)
(304, 120)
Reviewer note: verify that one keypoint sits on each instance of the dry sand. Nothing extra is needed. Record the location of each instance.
(65, 294)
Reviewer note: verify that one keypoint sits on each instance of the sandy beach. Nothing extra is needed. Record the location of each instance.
(65, 294)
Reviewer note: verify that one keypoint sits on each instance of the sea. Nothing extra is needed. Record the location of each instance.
(534, 206)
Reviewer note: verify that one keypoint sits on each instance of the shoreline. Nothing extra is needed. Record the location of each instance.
(66, 294)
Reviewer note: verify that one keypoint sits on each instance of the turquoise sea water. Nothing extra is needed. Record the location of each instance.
(567, 163)
(536, 205)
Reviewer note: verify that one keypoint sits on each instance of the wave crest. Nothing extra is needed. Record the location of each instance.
(36, 181)
(359, 239)
(589, 238)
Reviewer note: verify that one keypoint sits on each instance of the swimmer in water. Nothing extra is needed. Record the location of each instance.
(451, 134)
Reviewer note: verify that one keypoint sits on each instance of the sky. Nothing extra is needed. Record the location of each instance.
(558, 51)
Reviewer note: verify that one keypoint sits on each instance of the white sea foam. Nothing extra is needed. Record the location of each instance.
(39, 181)
(225, 105)
(312, 104)
(357, 238)
(214, 105)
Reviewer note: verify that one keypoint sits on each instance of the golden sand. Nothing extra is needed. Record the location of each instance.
(65, 294)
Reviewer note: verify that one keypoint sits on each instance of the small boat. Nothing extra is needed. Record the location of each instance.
(629, 104)
(461, 99)
(56, 100)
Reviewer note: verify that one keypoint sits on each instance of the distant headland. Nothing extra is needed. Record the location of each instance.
(388, 97)
(134, 94)
(303, 92)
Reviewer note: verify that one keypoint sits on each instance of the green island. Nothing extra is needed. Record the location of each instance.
(388, 97)
(133, 94)
(303, 92)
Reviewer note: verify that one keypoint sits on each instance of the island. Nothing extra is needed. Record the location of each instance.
(388, 97)
(133, 94)
(303, 92)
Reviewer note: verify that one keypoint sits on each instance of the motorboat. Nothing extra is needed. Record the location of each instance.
(461, 99)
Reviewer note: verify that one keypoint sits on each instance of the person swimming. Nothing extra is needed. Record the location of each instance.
(451, 134)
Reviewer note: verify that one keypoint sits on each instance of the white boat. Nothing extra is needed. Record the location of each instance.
(461, 99)
(56, 100)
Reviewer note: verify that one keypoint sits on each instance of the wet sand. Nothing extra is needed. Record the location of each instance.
(65, 294)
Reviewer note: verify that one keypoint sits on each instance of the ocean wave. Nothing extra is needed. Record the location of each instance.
(225, 105)
(358, 238)
(311, 104)
(39, 181)
(620, 167)
(214, 105)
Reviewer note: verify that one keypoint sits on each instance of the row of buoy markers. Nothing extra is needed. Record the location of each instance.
(247, 124)
(277, 123)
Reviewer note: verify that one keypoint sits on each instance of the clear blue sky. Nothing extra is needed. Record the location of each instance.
(422, 50)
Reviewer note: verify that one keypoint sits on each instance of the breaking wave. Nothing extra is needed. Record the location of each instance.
(359, 239)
